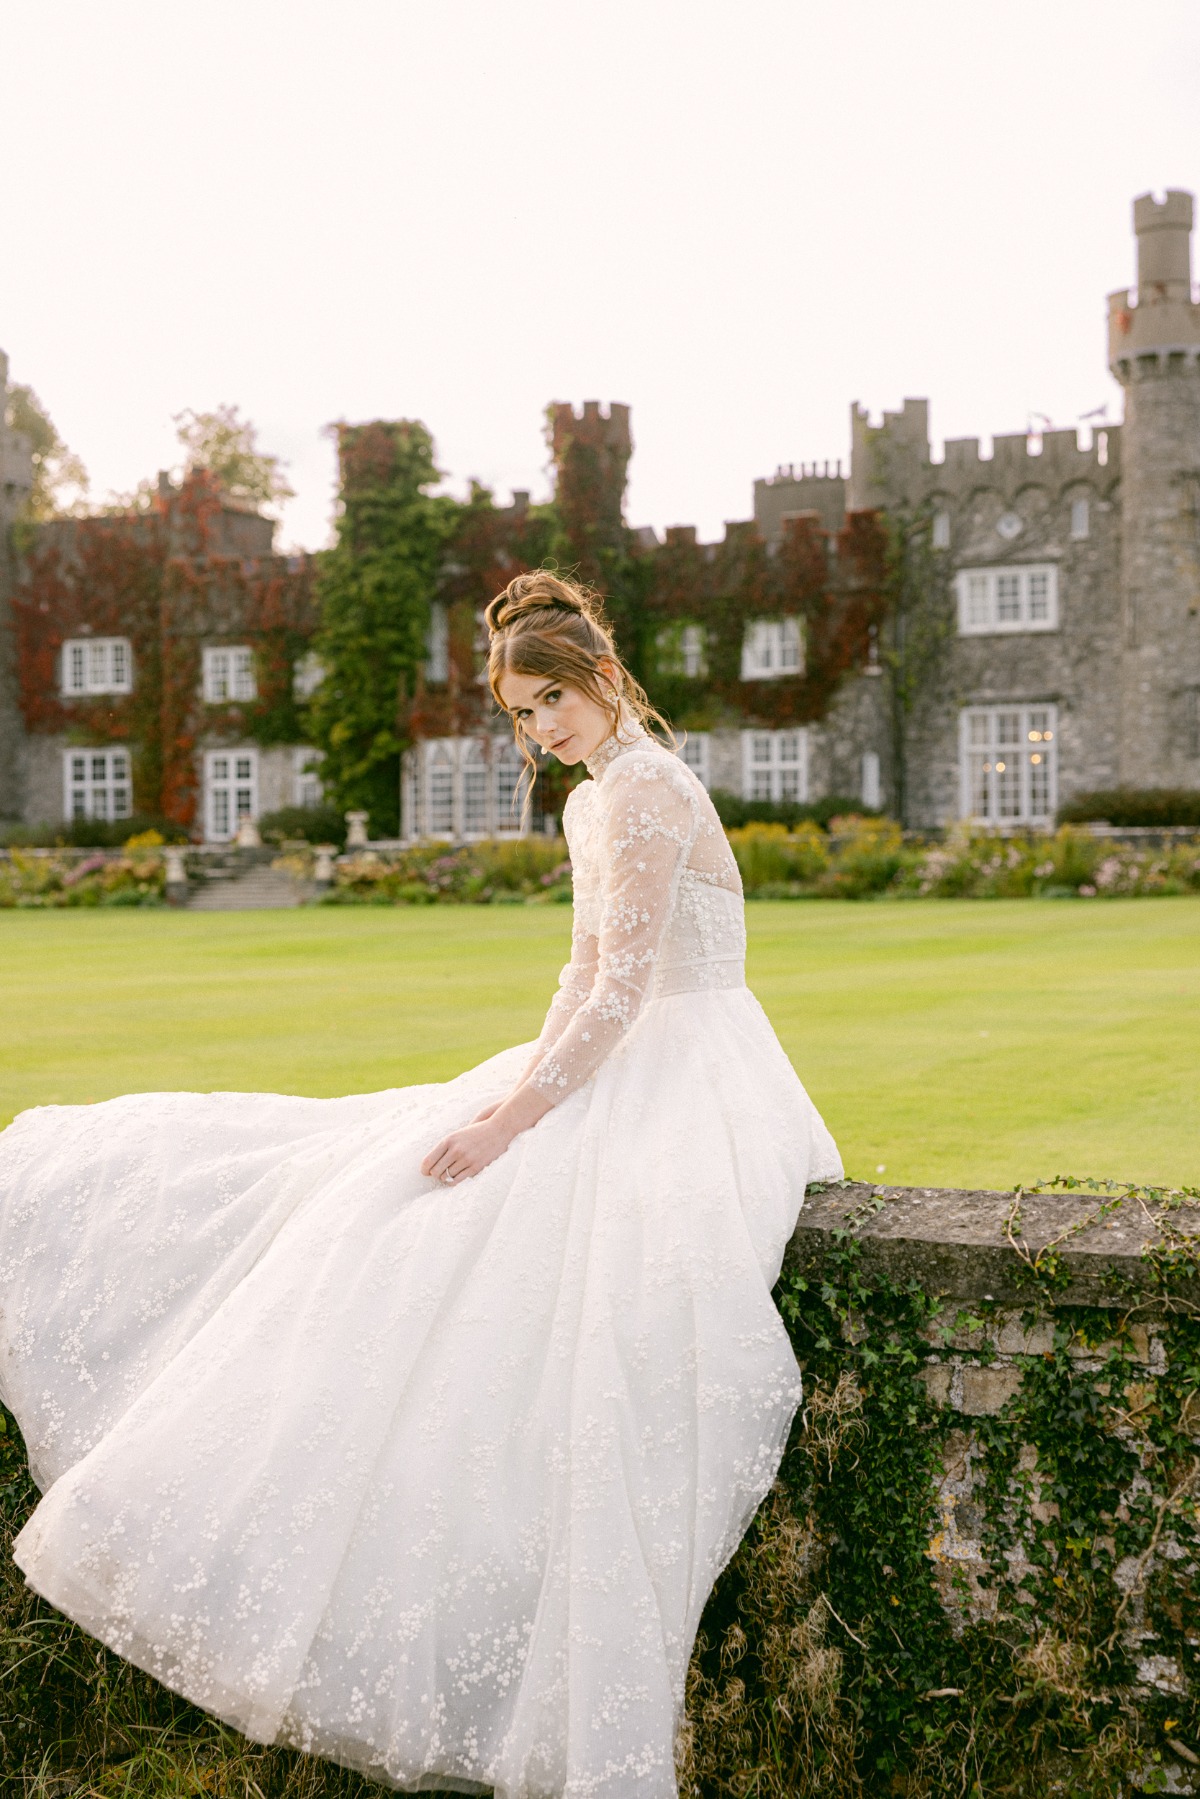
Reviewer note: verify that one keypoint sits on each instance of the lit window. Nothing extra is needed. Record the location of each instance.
(695, 752)
(229, 675)
(771, 648)
(941, 530)
(97, 784)
(97, 665)
(1081, 523)
(775, 765)
(681, 650)
(1009, 763)
(307, 675)
(230, 791)
(1023, 598)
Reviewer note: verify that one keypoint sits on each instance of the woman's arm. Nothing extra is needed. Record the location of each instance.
(650, 826)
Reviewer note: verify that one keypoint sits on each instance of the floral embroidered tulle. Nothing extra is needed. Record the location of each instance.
(658, 904)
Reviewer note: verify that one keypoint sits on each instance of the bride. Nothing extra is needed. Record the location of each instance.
(413, 1428)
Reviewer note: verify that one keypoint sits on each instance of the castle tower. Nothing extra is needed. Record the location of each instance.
(1154, 352)
(591, 451)
(16, 477)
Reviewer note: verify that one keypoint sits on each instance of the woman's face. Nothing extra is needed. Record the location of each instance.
(559, 718)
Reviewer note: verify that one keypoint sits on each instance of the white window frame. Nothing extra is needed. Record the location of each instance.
(230, 791)
(437, 644)
(775, 765)
(1008, 764)
(462, 788)
(696, 751)
(308, 672)
(229, 677)
(772, 649)
(307, 787)
(97, 665)
(871, 792)
(1015, 597)
(682, 649)
(1081, 518)
(97, 784)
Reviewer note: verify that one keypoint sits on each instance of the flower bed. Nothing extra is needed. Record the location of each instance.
(494, 872)
(65, 878)
(857, 858)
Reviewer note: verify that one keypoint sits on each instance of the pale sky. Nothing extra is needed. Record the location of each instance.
(737, 218)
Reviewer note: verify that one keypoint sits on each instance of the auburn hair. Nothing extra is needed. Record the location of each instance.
(544, 624)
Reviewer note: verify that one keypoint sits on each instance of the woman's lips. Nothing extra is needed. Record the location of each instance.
(557, 748)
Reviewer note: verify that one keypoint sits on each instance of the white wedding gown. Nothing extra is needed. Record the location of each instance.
(433, 1481)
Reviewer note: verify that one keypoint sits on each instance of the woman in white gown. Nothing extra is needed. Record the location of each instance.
(419, 1443)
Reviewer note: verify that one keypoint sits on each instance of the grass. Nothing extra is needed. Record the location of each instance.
(955, 1042)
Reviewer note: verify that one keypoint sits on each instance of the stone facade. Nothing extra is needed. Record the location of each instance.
(1060, 584)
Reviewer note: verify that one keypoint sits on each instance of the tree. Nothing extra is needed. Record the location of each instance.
(60, 480)
(374, 590)
(226, 445)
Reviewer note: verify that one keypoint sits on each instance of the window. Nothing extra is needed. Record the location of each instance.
(307, 789)
(97, 784)
(695, 752)
(229, 675)
(437, 644)
(772, 647)
(1009, 763)
(870, 780)
(941, 530)
(1081, 523)
(507, 766)
(439, 790)
(680, 650)
(97, 665)
(474, 789)
(775, 765)
(230, 792)
(307, 675)
(1023, 598)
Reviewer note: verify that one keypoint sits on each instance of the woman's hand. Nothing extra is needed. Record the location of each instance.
(465, 1152)
(469, 1150)
(482, 1117)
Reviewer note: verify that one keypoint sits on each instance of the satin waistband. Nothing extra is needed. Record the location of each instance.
(699, 977)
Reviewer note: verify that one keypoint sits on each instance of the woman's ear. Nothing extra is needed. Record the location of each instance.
(607, 667)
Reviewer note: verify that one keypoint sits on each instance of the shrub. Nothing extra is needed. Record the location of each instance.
(1130, 806)
(867, 854)
(305, 824)
(523, 868)
(734, 812)
(769, 855)
(90, 833)
(65, 880)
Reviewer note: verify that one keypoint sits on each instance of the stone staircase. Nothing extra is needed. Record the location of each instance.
(244, 881)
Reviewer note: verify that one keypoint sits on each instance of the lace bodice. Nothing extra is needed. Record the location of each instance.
(658, 904)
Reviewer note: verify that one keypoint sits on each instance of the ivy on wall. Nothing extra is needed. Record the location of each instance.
(374, 591)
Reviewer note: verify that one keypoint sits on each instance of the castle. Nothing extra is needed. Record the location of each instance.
(1047, 644)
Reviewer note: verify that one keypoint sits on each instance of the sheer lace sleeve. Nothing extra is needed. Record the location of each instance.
(575, 984)
(649, 825)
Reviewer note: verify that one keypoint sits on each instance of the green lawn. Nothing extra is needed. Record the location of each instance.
(953, 1041)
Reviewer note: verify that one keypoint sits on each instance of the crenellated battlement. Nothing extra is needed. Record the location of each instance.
(893, 464)
(591, 424)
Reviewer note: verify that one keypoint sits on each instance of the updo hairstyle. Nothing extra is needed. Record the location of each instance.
(544, 625)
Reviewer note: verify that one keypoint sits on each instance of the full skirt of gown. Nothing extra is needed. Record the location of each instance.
(433, 1481)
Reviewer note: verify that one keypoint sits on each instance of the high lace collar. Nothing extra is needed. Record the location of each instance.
(627, 736)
